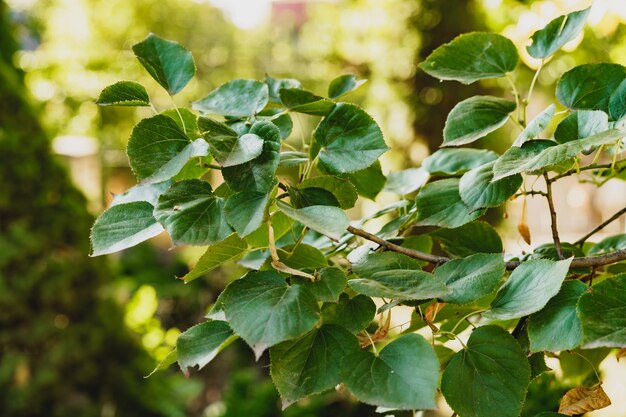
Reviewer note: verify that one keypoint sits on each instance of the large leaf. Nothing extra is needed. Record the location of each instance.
(245, 211)
(439, 204)
(609, 244)
(401, 284)
(531, 157)
(239, 98)
(303, 101)
(536, 125)
(191, 214)
(343, 191)
(557, 33)
(471, 57)
(589, 86)
(528, 289)
(124, 93)
(259, 174)
(402, 376)
(327, 220)
(348, 140)
(489, 377)
(479, 191)
(557, 327)
(311, 363)
(471, 238)
(123, 226)
(198, 345)
(158, 149)
(602, 312)
(343, 85)
(170, 64)
(581, 124)
(407, 180)
(474, 118)
(264, 310)
(355, 314)
(471, 278)
(450, 161)
(235, 150)
(217, 254)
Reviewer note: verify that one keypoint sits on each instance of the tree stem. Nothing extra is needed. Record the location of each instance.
(600, 226)
(553, 225)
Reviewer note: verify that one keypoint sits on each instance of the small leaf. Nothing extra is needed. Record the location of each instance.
(471, 278)
(581, 124)
(557, 33)
(439, 204)
(375, 262)
(217, 254)
(589, 86)
(457, 161)
(191, 214)
(198, 345)
(617, 102)
(303, 101)
(581, 400)
(257, 304)
(355, 314)
(471, 57)
(479, 191)
(343, 85)
(310, 364)
(402, 376)
(348, 140)
(528, 289)
(489, 377)
(238, 98)
(474, 118)
(328, 286)
(609, 244)
(123, 226)
(124, 93)
(536, 126)
(327, 220)
(602, 313)
(341, 189)
(276, 84)
(301, 257)
(401, 284)
(471, 238)
(369, 181)
(232, 150)
(245, 211)
(170, 64)
(407, 181)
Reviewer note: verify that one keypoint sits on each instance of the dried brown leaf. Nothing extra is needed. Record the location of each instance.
(522, 227)
(432, 310)
(580, 400)
(620, 354)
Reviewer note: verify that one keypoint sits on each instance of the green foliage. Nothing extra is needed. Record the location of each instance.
(309, 293)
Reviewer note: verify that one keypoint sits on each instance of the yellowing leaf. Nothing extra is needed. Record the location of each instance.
(620, 354)
(580, 400)
(522, 227)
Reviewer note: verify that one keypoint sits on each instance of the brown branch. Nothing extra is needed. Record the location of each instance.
(587, 168)
(589, 261)
(600, 227)
(553, 226)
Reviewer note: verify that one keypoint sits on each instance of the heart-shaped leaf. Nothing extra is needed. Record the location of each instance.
(303, 101)
(478, 190)
(581, 124)
(471, 278)
(329, 284)
(557, 33)
(327, 220)
(401, 284)
(233, 150)
(238, 98)
(343, 85)
(198, 345)
(245, 211)
(451, 161)
(355, 314)
(217, 254)
(439, 204)
(589, 86)
(602, 313)
(471, 238)
(124, 93)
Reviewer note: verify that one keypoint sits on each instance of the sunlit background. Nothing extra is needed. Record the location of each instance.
(71, 49)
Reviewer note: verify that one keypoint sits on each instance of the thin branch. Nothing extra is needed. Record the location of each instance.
(555, 231)
(585, 168)
(531, 193)
(600, 227)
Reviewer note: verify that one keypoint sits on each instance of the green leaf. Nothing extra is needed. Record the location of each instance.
(282, 121)
(212, 128)
(348, 140)
(471, 238)
(609, 244)
(303, 101)
(281, 225)
(123, 226)
(245, 210)
(375, 262)
(536, 126)
(450, 161)
(471, 278)
(369, 181)
(557, 327)
(200, 344)
(581, 124)
(191, 214)
(617, 102)
(217, 254)
(259, 174)
(589, 86)
(328, 286)
(170, 64)
(291, 159)
(232, 150)
(439, 204)
(257, 304)
(124, 93)
(402, 376)
(489, 377)
(158, 149)
(532, 157)
(142, 192)
(603, 314)
(344, 192)
(355, 314)
(343, 85)
(478, 191)
(406, 181)
(276, 84)
(401, 284)
(471, 57)
(528, 289)
(301, 257)
(238, 98)
(327, 220)
(557, 33)
(186, 120)
(474, 118)
(310, 364)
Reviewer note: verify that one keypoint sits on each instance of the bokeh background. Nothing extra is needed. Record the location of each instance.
(78, 334)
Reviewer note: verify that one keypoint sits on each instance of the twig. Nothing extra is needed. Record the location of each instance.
(555, 231)
(585, 168)
(600, 226)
